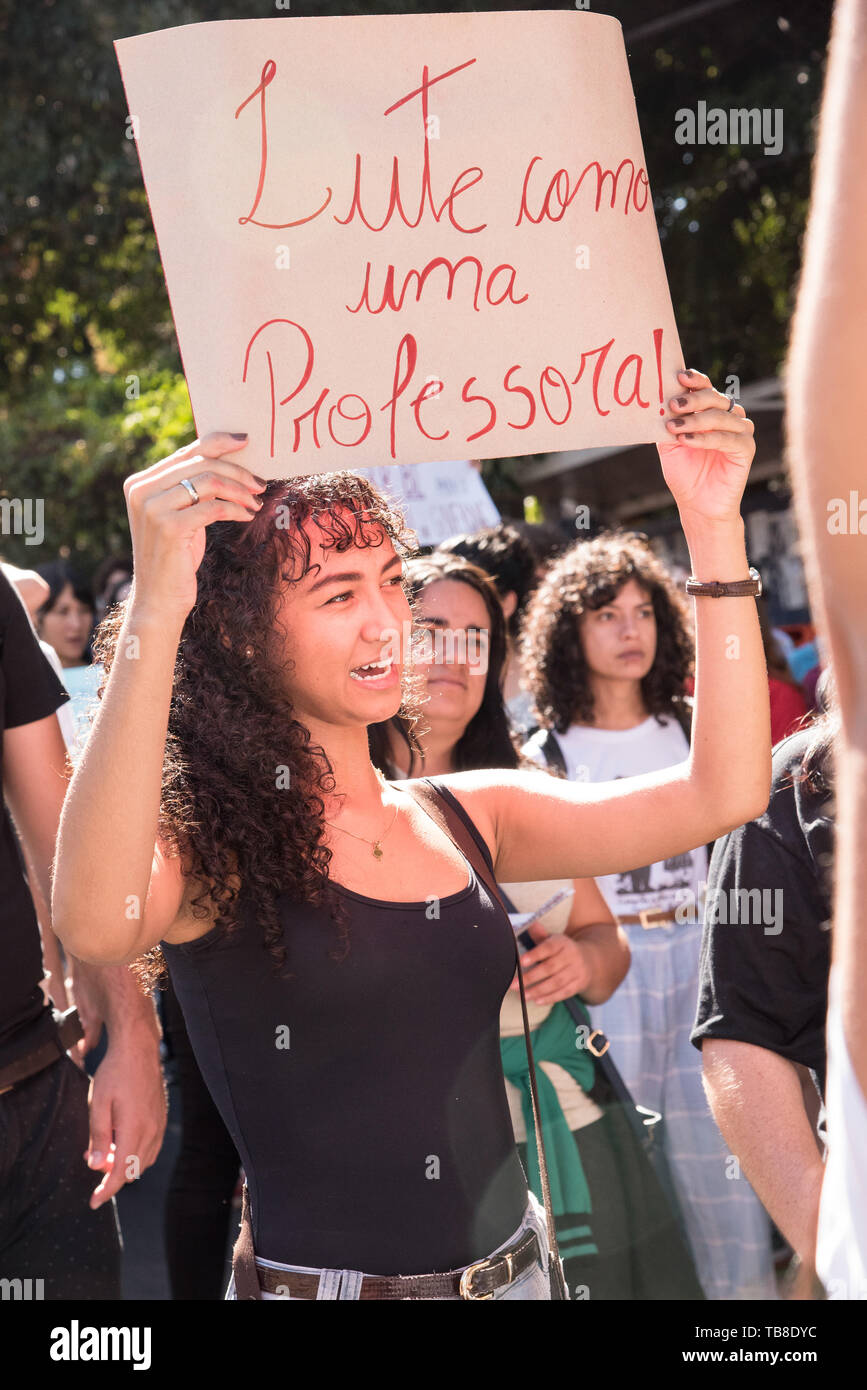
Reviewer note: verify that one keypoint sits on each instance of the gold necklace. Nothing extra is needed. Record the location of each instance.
(377, 844)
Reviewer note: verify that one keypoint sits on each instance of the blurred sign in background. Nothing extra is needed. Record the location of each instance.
(439, 500)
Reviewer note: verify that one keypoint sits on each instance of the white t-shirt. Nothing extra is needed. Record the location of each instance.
(578, 1109)
(604, 755)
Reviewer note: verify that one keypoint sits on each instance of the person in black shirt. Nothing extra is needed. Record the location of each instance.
(764, 985)
(53, 1227)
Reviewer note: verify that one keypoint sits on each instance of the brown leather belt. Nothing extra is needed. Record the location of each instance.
(69, 1031)
(650, 917)
(478, 1280)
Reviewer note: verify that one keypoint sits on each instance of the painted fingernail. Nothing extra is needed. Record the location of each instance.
(687, 436)
(681, 400)
(238, 436)
(263, 481)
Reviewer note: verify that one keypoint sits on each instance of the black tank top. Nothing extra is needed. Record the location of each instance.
(366, 1096)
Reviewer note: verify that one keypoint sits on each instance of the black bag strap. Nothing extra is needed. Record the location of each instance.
(600, 1051)
(243, 1256)
(545, 741)
(682, 711)
(437, 806)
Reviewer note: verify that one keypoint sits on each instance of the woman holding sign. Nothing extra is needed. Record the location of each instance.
(350, 1039)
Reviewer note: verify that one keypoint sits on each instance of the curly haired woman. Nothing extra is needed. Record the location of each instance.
(607, 651)
(350, 1041)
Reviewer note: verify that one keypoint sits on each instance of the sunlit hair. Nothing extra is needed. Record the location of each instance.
(587, 577)
(487, 740)
(817, 766)
(242, 784)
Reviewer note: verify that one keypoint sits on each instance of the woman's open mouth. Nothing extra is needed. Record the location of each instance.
(373, 673)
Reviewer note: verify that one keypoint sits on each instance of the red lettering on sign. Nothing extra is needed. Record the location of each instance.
(521, 390)
(269, 72)
(430, 388)
(399, 384)
(560, 187)
(597, 371)
(492, 418)
(426, 195)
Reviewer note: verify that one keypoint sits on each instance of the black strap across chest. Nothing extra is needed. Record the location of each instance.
(452, 825)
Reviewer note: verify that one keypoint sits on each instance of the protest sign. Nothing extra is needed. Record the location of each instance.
(399, 238)
(439, 500)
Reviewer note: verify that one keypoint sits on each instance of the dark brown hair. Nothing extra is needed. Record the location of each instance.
(817, 766)
(586, 577)
(487, 740)
(238, 822)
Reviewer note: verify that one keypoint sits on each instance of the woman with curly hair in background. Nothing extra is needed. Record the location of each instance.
(349, 1038)
(607, 650)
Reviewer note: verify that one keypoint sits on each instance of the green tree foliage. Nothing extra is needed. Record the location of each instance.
(92, 387)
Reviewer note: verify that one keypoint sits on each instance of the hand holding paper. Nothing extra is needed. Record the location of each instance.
(707, 462)
(168, 527)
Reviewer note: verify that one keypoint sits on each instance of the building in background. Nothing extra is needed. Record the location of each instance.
(586, 490)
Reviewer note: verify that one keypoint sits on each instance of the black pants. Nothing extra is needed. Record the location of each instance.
(47, 1229)
(198, 1203)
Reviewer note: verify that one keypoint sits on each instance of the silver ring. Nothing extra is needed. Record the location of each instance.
(731, 405)
(185, 482)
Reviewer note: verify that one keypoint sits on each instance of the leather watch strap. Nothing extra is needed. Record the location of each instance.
(716, 588)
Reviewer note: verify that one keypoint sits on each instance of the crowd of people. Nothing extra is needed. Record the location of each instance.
(280, 813)
(586, 668)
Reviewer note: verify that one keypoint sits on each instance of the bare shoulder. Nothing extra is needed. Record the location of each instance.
(486, 796)
(170, 901)
(185, 926)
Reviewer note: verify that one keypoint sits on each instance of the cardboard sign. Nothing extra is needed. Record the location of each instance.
(439, 500)
(398, 238)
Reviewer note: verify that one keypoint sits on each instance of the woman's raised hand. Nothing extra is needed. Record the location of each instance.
(707, 463)
(168, 527)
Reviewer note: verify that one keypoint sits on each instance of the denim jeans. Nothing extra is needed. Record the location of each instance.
(533, 1283)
